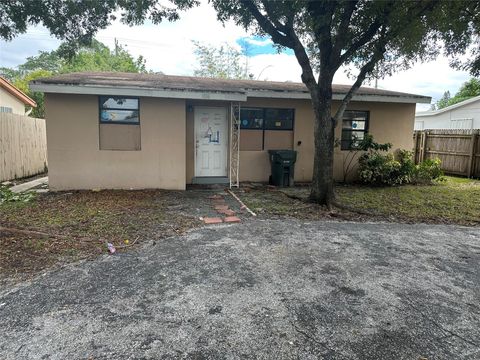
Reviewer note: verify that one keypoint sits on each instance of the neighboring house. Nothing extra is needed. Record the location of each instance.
(125, 130)
(12, 99)
(463, 115)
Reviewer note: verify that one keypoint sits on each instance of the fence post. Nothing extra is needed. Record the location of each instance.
(471, 160)
(424, 145)
(415, 146)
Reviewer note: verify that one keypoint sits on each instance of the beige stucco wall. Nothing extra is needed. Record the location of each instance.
(389, 122)
(76, 162)
(8, 100)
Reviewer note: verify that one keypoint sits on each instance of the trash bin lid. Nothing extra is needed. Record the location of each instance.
(283, 154)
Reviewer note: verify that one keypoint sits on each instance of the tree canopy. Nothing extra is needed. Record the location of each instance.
(219, 62)
(93, 57)
(469, 89)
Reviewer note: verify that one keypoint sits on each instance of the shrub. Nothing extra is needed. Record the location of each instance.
(428, 171)
(380, 169)
(376, 168)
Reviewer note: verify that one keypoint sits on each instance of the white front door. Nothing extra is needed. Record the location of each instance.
(211, 140)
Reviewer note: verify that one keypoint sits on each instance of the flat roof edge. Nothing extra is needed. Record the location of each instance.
(212, 95)
(128, 91)
(337, 96)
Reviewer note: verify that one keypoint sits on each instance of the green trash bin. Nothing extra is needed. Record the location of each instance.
(283, 167)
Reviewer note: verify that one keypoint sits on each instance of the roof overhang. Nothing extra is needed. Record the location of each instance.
(448, 108)
(358, 97)
(137, 91)
(14, 91)
(211, 95)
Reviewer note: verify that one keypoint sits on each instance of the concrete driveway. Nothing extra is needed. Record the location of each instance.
(260, 290)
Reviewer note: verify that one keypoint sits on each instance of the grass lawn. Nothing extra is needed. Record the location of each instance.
(63, 227)
(456, 201)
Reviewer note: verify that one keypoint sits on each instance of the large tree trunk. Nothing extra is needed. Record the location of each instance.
(322, 191)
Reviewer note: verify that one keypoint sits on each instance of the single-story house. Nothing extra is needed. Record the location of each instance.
(463, 115)
(132, 131)
(12, 99)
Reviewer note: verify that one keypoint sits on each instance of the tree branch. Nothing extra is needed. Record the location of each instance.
(367, 68)
(272, 26)
(267, 25)
(323, 11)
(342, 30)
(361, 41)
(380, 49)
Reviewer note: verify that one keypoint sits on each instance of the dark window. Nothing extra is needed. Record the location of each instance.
(278, 119)
(264, 120)
(354, 128)
(119, 110)
(251, 118)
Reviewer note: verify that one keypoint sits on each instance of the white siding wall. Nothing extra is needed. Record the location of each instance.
(464, 117)
(9, 101)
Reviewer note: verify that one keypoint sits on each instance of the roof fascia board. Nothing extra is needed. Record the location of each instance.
(448, 108)
(126, 91)
(209, 95)
(17, 93)
(362, 98)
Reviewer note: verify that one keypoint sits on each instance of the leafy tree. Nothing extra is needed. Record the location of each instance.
(443, 102)
(94, 57)
(10, 74)
(98, 57)
(22, 84)
(219, 62)
(468, 90)
(378, 36)
(45, 60)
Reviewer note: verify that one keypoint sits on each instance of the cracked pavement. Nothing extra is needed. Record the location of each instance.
(263, 289)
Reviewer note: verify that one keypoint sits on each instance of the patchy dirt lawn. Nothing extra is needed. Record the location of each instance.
(57, 228)
(455, 201)
(63, 227)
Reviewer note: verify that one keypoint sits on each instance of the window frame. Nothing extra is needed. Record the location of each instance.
(100, 108)
(6, 110)
(263, 129)
(365, 130)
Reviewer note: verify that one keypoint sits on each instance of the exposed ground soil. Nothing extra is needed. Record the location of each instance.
(59, 228)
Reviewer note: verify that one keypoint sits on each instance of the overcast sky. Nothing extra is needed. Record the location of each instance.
(168, 48)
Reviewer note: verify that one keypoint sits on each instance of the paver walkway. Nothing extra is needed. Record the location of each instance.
(225, 213)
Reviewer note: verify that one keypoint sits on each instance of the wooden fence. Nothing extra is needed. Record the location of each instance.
(23, 146)
(459, 150)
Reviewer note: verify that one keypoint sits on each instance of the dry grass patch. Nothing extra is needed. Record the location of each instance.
(454, 201)
(62, 227)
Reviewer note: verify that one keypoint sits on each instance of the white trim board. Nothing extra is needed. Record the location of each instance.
(363, 97)
(128, 91)
(448, 108)
(211, 95)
